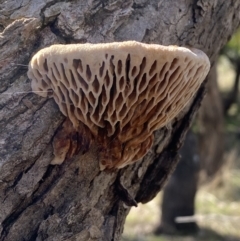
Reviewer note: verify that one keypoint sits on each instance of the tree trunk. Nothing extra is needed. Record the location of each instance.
(232, 97)
(183, 185)
(211, 130)
(76, 201)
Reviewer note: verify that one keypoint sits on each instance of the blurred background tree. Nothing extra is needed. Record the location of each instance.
(232, 52)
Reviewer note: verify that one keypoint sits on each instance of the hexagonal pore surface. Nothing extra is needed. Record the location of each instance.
(121, 91)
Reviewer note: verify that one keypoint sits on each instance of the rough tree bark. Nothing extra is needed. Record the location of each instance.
(75, 201)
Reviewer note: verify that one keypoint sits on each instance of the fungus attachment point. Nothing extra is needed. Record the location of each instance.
(122, 92)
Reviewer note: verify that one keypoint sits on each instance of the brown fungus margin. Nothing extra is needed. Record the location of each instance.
(122, 92)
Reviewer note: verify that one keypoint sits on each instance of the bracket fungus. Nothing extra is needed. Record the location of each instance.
(122, 92)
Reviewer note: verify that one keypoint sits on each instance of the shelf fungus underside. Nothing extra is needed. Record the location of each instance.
(122, 92)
